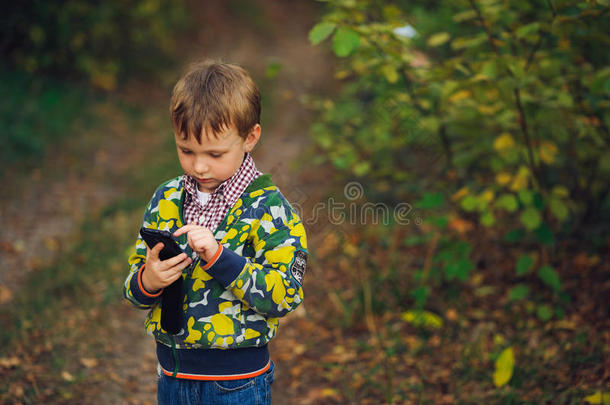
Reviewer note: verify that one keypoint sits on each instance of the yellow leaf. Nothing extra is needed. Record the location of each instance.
(459, 194)
(350, 249)
(329, 392)
(505, 364)
(503, 142)
(460, 95)
(547, 151)
(520, 179)
(422, 318)
(390, 73)
(487, 195)
(479, 78)
(560, 191)
(599, 397)
(503, 178)
(486, 109)
(438, 39)
(342, 74)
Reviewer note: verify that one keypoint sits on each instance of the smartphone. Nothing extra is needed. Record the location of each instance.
(154, 236)
(173, 295)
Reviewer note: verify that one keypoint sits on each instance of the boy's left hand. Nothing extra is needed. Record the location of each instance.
(200, 239)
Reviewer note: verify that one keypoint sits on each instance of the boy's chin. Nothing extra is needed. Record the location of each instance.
(207, 187)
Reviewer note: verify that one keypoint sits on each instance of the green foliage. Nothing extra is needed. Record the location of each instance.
(100, 41)
(487, 111)
(550, 277)
(345, 42)
(36, 113)
(430, 201)
(518, 292)
(321, 31)
(544, 312)
(524, 264)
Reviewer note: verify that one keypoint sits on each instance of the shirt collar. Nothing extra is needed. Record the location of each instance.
(231, 188)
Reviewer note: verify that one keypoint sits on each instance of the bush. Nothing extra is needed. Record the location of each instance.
(503, 104)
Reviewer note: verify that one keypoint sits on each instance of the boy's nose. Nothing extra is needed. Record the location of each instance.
(201, 166)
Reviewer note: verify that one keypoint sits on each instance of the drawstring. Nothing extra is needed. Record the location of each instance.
(176, 361)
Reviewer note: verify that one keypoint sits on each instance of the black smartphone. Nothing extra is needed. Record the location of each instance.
(173, 295)
(154, 236)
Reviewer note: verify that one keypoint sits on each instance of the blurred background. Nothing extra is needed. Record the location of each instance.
(450, 160)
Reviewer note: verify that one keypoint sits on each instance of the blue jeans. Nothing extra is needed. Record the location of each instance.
(247, 391)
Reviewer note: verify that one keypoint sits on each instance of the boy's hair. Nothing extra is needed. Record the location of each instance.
(214, 95)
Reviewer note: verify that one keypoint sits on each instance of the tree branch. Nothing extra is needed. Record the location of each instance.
(526, 136)
(485, 27)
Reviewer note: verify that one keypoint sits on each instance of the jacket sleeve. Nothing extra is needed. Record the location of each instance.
(133, 290)
(271, 281)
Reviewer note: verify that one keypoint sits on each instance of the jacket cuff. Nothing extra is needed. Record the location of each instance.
(227, 267)
(139, 292)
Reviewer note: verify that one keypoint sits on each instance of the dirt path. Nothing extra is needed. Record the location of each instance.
(263, 34)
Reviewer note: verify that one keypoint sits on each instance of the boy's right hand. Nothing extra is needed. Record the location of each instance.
(159, 273)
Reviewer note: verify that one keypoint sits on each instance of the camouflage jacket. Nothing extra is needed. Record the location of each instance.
(236, 301)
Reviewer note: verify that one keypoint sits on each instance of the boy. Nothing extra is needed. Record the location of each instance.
(244, 248)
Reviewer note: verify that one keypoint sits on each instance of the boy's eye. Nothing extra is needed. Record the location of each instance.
(216, 155)
(186, 151)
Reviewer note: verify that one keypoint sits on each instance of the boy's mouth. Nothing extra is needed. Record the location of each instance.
(202, 180)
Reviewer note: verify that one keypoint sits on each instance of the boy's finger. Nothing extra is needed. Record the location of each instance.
(184, 229)
(156, 250)
(174, 277)
(177, 270)
(172, 261)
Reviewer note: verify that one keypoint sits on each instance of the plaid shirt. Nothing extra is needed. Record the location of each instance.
(222, 199)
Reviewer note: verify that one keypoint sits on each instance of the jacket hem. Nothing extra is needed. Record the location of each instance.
(213, 364)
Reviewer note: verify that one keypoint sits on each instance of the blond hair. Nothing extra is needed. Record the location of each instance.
(214, 95)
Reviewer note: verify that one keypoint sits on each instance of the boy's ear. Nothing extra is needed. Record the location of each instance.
(252, 138)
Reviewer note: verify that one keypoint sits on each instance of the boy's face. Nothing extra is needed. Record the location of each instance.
(217, 158)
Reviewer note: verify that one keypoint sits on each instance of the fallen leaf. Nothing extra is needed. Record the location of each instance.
(329, 392)
(67, 376)
(422, 318)
(434, 341)
(505, 364)
(9, 362)
(5, 294)
(19, 246)
(51, 243)
(459, 225)
(89, 362)
(16, 390)
(599, 397)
